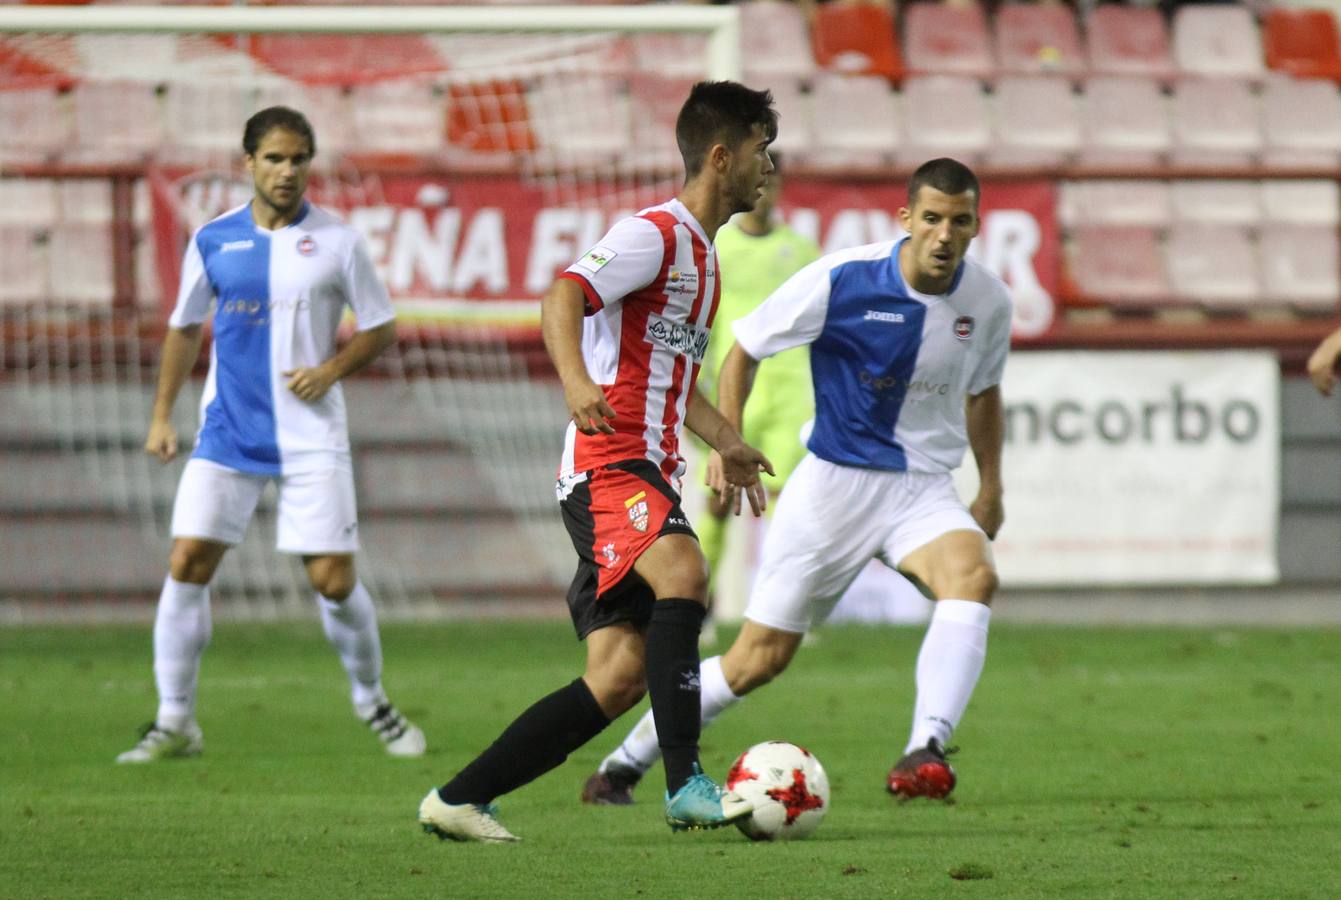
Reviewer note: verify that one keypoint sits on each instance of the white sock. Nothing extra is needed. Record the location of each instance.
(351, 627)
(948, 667)
(182, 628)
(640, 749)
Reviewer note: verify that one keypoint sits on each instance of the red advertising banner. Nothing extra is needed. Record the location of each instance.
(480, 247)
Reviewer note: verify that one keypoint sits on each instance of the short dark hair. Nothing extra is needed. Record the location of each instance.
(949, 176)
(272, 117)
(721, 112)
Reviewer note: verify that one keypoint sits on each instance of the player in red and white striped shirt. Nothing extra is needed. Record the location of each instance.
(627, 328)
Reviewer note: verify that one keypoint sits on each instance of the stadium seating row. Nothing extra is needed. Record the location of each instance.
(834, 121)
(1218, 40)
(1214, 266)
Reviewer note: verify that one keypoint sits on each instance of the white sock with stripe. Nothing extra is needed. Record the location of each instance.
(182, 628)
(948, 666)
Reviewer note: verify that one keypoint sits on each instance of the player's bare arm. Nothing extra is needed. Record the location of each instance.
(740, 463)
(311, 384)
(561, 314)
(1322, 363)
(986, 420)
(181, 349)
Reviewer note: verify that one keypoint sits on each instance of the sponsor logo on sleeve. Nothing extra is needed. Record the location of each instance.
(595, 259)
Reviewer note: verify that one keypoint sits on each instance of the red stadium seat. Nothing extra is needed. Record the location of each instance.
(795, 128)
(947, 40)
(1037, 121)
(1036, 39)
(774, 41)
(1123, 203)
(1214, 265)
(79, 257)
(23, 265)
(489, 117)
(115, 121)
(1216, 123)
(1125, 122)
(1300, 267)
(1302, 42)
(1217, 202)
(30, 202)
(1128, 40)
(856, 120)
(346, 58)
(35, 127)
(952, 119)
(1120, 266)
(857, 39)
(1301, 121)
(1217, 41)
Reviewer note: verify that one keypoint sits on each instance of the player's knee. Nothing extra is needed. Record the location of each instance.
(189, 563)
(335, 586)
(616, 692)
(978, 583)
(755, 668)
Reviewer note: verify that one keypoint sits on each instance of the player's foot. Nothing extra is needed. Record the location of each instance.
(159, 743)
(612, 787)
(463, 821)
(700, 803)
(923, 773)
(399, 735)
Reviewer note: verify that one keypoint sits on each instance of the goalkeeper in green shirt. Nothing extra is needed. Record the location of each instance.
(756, 254)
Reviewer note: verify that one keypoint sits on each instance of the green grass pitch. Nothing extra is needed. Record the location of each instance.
(1142, 763)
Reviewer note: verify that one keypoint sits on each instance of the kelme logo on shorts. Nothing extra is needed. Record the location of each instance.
(637, 507)
(596, 258)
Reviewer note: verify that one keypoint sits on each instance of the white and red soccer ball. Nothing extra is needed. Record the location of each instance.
(787, 786)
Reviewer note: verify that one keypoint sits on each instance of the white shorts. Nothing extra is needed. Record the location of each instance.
(831, 521)
(316, 513)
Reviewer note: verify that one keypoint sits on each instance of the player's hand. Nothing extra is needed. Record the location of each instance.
(587, 405)
(310, 385)
(1322, 368)
(162, 441)
(741, 465)
(989, 512)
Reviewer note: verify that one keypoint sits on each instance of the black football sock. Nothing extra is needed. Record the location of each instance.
(538, 740)
(673, 684)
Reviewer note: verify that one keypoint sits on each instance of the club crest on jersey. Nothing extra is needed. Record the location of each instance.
(679, 337)
(595, 259)
(963, 327)
(637, 507)
(307, 246)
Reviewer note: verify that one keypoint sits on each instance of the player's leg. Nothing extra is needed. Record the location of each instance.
(317, 519)
(956, 565)
(210, 514)
(805, 566)
(541, 738)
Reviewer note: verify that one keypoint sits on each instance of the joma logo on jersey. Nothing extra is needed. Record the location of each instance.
(876, 315)
(256, 307)
(230, 246)
(680, 337)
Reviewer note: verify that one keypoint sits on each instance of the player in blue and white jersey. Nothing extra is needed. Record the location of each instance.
(277, 273)
(908, 342)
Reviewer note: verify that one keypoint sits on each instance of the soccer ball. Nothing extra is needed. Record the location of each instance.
(787, 786)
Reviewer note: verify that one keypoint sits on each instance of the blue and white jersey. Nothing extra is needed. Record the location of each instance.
(891, 366)
(278, 299)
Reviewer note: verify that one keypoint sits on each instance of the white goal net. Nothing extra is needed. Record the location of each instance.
(477, 149)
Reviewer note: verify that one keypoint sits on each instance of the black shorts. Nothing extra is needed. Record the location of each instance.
(612, 516)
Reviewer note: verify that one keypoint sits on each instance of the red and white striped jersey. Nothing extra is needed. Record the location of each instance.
(652, 290)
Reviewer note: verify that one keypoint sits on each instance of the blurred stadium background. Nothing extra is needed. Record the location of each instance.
(1160, 190)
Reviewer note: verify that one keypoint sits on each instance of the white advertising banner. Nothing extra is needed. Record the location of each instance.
(1139, 468)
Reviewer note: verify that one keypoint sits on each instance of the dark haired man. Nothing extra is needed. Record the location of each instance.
(627, 328)
(908, 341)
(279, 273)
